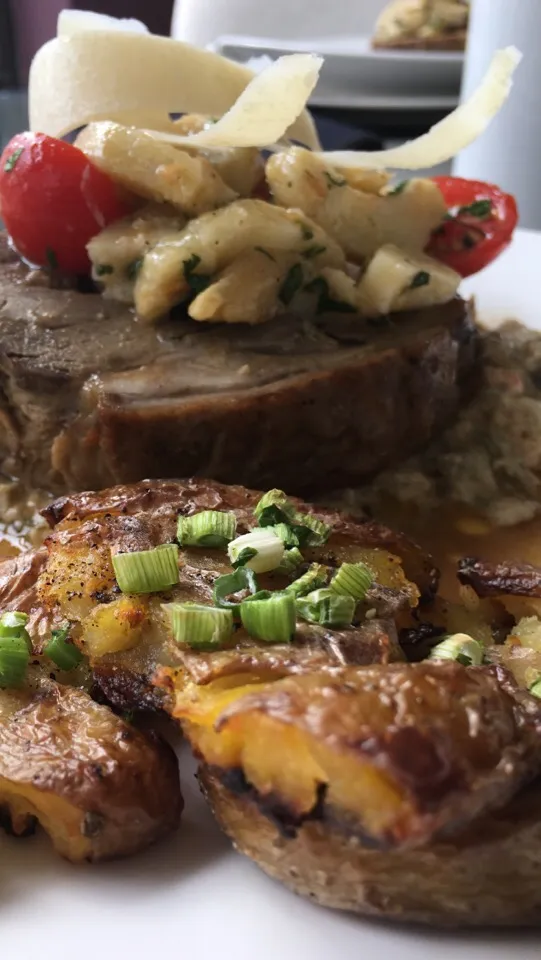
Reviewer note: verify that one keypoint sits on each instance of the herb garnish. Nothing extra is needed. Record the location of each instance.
(265, 253)
(52, 259)
(307, 234)
(292, 283)
(133, 268)
(12, 160)
(400, 187)
(247, 554)
(102, 269)
(325, 303)
(479, 208)
(314, 252)
(196, 281)
(420, 279)
(334, 181)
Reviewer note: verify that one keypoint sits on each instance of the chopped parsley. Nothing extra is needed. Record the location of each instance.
(52, 259)
(133, 268)
(196, 281)
(421, 279)
(314, 252)
(265, 253)
(102, 269)
(399, 188)
(325, 303)
(12, 160)
(479, 208)
(292, 284)
(334, 181)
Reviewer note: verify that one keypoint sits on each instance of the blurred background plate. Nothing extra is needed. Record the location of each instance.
(354, 76)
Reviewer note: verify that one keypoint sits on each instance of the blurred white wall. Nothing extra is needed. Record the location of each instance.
(202, 21)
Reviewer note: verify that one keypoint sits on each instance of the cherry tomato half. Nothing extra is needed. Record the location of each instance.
(53, 200)
(479, 227)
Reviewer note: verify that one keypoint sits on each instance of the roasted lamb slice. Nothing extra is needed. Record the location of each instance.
(92, 397)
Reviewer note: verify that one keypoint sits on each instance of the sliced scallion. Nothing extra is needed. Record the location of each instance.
(14, 657)
(290, 561)
(285, 532)
(210, 528)
(13, 624)
(310, 531)
(535, 688)
(274, 508)
(460, 647)
(242, 579)
(61, 650)
(269, 550)
(199, 626)
(269, 616)
(352, 579)
(147, 571)
(315, 577)
(326, 607)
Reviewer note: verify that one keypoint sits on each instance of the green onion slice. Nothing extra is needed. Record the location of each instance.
(147, 571)
(460, 647)
(242, 579)
(274, 509)
(61, 650)
(210, 528)
(285, 533)
(352, 579)
(266, 550)
(326, 607)
(13, 624)
(269, 616)
(14, 657)
(315, 577)
(535, 688)
(290, 561)
(199, 626)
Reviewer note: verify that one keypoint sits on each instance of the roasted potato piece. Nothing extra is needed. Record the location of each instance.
(360, 221)
(487, 875)
(517, 586)
(116, 251)
(153, 169)
(242, 168)
(209, 243)
(395, 281)
(396, 754)
(126, 638)
(99, 788)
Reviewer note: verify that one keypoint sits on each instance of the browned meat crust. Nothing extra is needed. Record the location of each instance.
(89, 397)
(453, 40)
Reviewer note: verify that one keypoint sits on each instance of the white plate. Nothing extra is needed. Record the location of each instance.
(355, 76)
(192, 896)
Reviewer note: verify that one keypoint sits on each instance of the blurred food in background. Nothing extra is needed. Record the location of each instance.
(423, 25)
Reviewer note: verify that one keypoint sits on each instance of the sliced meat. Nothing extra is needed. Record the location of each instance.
(89, 397)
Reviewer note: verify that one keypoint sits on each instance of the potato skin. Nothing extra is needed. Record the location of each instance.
(99, 787)
(488, 874)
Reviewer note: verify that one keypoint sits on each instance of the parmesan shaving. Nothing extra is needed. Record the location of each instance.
(452, 134)
(266, 109)
(76, 21)
(139, 79)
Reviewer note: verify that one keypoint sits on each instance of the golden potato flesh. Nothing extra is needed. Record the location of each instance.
(99, 787)
(396, 753)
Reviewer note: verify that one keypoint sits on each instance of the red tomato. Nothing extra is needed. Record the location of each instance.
(53, 200)
(480, 225)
